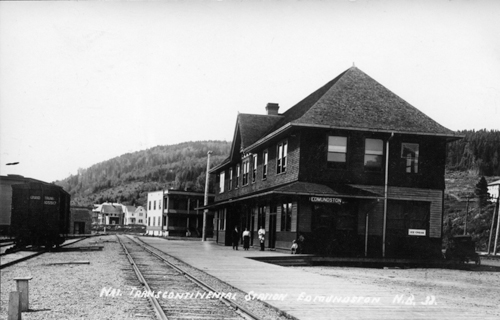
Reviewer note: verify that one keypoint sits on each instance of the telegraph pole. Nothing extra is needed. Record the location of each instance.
(466, 215)
(205, 211)
(498, 224)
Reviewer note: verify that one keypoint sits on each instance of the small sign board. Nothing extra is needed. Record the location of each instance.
(417, 232)
(326, 200)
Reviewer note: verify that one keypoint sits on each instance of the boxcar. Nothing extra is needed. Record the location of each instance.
(40, 214)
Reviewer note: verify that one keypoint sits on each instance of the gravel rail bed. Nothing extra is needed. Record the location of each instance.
(76, 291)
(256, 307)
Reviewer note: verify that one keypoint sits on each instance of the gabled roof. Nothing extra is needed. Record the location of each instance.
(253, 126)
(494, 183)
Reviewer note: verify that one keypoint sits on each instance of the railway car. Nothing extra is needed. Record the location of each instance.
(40, 214)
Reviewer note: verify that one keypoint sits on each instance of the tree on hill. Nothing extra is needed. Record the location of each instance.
(481, 192)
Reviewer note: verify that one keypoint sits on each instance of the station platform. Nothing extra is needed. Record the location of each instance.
(305, 295)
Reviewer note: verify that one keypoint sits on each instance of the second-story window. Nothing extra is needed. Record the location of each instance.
(254, 169)
(221, 182)
(154, 205)
(264, 164)
(237, 176)
(374, 151)
(246, 165)
(337, 150)
(230, 185)
(281, 157)
(409, 152)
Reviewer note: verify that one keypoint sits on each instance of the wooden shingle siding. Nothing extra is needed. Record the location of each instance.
(304, 217)
(435, 197)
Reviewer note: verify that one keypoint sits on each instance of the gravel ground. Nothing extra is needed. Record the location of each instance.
(72, 291)
(477, 290)
(256, 307)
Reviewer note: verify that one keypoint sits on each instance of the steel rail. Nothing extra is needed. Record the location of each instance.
(160, 314)
(31, 256)
(238, 308)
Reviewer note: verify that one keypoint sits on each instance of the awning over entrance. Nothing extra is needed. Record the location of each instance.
(308, 189)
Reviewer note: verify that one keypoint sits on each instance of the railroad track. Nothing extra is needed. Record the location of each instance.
(176, 294)
(31, 256)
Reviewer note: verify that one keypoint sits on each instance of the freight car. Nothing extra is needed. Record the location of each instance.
(40, 214)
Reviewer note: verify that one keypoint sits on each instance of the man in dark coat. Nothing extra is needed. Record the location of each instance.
(236, 238)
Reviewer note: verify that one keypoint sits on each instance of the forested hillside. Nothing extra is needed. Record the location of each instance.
(128, 178)
(478, 151)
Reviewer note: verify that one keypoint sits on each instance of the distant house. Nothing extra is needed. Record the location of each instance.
(493, 190)
(109, 213)
(140, 215)
(129, 214)
(352, 167)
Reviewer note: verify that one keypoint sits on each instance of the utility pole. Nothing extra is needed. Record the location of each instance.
(492, 224)
(466, 215)
(498, 223)
(205, 211)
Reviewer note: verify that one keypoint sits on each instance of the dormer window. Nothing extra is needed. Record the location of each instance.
(281, 157)
(409, 152)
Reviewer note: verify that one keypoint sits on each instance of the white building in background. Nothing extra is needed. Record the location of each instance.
(109, 213)
(155, 213)
(493, 190)
(129, 212)
(141, 215)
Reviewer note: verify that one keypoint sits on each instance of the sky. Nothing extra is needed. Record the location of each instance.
(83, 82)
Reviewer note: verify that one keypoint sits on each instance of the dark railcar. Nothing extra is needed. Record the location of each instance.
(40, 214)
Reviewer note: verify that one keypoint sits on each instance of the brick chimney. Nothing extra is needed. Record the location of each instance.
(272, 109)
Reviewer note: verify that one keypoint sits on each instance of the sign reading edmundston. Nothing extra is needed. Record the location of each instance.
(326, 200)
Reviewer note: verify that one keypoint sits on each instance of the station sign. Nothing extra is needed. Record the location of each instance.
(326, 200)
(417, 232)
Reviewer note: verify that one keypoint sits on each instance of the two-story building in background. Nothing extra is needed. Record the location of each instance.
(352, 167)
(180, 216)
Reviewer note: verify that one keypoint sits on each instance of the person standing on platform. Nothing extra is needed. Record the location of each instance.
(300, 244)
(262, 237)
(236, 238)
(246, 239)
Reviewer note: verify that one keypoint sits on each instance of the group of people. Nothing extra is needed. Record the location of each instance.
(296, 245)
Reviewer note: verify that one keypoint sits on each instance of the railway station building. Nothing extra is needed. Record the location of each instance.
(353, 168)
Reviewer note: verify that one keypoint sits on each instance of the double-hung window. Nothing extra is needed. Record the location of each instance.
(230, 184)
(337, 151)
(374, 152)
(237, 176)
(264, 165)
(246, 165)
(281, 157)
(254, 168)
(221, 182)
(409, 152)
